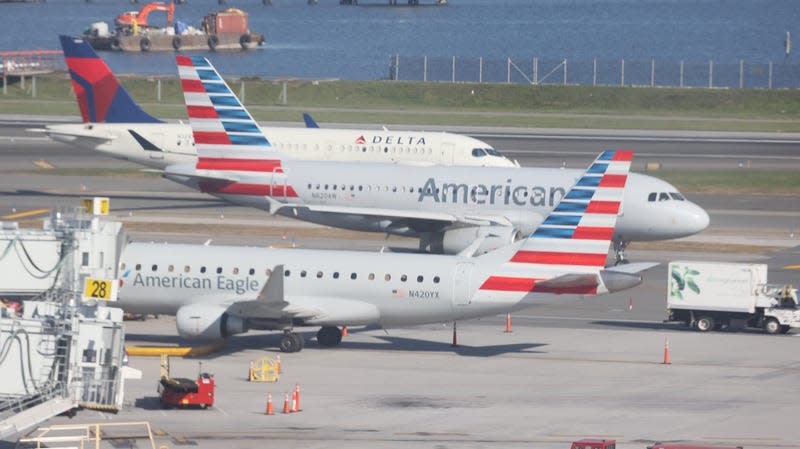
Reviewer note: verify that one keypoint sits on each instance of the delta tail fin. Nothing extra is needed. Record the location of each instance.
(101, 98)
(567, 253)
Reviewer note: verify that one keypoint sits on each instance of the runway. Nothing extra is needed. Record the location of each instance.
(581, 367)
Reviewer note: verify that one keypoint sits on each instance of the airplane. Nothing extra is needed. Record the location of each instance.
(217, 291)
(447, 207)
(114, 124)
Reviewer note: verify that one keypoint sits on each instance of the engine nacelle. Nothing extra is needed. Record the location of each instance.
(454, 241)
(207, 321)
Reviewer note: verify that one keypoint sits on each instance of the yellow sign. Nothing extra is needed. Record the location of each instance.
(96, 205)
(100, 290)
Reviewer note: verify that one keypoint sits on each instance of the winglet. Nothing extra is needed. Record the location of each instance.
(101, 97)
(310, 123)
(272, 291)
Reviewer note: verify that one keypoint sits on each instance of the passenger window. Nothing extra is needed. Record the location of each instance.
(303, 274)
(403, 278)
(419, 278)
(202, 269)
(436, 279)
(251, 272)
(186, 269)
(334, 187)
(336, 275)
(387, 277)
(309, 187)
(268, 272)
(235, 270)
(353, 276)
(287, 273)
(319, 275)
(155, 267)
(170, 268)
(122, 266)
(371, 276)
(219, 270)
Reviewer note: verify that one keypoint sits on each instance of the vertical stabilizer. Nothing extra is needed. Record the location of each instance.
(101, 98)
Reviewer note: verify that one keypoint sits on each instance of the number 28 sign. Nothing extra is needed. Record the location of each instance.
(100, 290)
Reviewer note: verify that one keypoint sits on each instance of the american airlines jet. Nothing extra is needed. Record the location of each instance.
(217, 291)
(114, 124)
(448, 208)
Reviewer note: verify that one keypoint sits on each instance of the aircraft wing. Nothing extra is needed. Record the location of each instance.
(272, 303)
(99, 138)
(398, 216)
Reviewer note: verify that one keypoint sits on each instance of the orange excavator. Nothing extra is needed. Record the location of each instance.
(127, 19)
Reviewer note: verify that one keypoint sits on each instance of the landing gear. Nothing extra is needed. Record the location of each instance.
(619, 252)
(291, 342)
(329, 336)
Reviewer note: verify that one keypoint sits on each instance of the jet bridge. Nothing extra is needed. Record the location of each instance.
(66, 349)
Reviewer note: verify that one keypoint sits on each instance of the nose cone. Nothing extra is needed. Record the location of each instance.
(689, 219)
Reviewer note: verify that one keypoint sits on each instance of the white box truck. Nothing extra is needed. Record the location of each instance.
(710, 295)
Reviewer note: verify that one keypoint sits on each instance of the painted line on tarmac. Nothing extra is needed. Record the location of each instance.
(43, 164)
(28, 213)
(572, 318)
(792, 267)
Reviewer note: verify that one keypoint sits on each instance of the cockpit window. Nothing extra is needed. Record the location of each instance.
(677, 196)
(652, 196)
(478, 152)
(663, 197)
(493, 152)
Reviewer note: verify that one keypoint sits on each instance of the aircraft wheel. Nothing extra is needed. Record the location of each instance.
(329, 336)
(291, 342)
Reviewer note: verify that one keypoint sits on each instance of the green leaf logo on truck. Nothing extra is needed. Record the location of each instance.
(680, 279)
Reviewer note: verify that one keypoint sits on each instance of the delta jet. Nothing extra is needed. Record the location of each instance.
(115, 125)
(448, 208)
(218, 291)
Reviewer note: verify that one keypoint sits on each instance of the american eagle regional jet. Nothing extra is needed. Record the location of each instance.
(447, 207)
(114, 124)
(217, 291)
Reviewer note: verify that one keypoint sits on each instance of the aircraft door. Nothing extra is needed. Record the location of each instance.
(462, 288)
(447, 153)
(278, 184)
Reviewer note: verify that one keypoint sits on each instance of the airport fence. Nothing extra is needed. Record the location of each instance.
(596, 72)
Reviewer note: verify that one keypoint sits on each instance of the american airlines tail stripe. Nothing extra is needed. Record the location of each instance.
(555, 258)
(579, 194)
(202, 112)
(248, 140)
(240, 114)
(240, 127)
(603, 207)
(223, 100)
(515, 284)
(184, 61)
(214, 138)
(562, 220)
(613, 181)
(259, 165)
(592, 233)
(207, 74)
(623, 155)
(216, 88)
(195, 86)
(553, 233)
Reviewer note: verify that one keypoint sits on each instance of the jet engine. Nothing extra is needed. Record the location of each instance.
(454, 241)
(207, 321)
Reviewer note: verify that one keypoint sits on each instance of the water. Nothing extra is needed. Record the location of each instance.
(332, 41)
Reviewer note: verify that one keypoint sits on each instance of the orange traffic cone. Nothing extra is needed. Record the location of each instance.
(344, 331)
(286, 408)
(666, 351)
(455, 338)
(269, 404)
(278, 364)
(296, 399)
(508, 323)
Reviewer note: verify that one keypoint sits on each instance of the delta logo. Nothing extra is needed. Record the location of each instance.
(361, 140)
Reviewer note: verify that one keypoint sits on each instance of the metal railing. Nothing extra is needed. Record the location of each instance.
(596, 72)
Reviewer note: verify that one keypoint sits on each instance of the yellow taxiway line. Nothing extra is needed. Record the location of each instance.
(792, 267)
(43, 164)
(156, 351)
(27, 213)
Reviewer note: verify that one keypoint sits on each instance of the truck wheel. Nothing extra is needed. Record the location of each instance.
(145, 44)
(176, 43)
(244, 41)
(785, 329)
(213, 41)
(772, 326)
(705, 323)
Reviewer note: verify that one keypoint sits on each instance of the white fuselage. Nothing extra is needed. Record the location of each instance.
(173, 144)
(338, 287)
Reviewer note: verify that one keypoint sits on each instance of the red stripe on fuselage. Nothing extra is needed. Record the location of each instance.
(553, 258)
(235, 188)
(193, 86)
(602, 207)
(259, 165)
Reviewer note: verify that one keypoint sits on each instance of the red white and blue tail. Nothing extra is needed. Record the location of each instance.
(568, 251)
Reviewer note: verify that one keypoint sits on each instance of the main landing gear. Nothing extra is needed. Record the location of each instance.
(291, 342)
(329, 336)
(619, 252)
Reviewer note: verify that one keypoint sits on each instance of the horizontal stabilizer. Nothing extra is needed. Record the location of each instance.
(633, 268)
(570, 281)
(55, 131)
(189, 171)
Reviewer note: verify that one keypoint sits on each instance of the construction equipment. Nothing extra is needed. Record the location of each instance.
(127, 19)
(182, 392)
